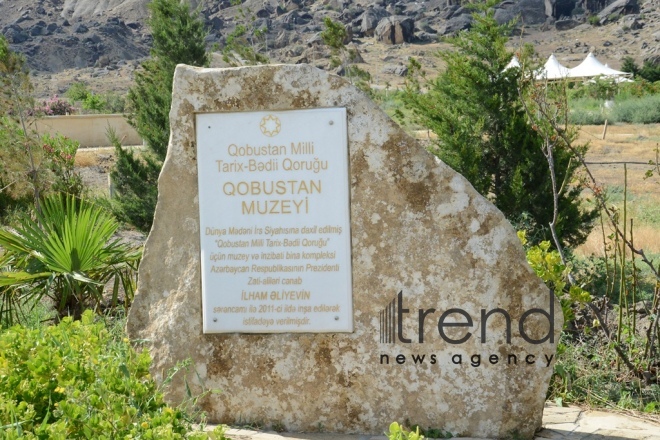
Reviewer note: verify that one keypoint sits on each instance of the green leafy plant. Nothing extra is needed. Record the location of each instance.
(94, 103)
(60, 152)
(81, 380)
(103, 103)
(548, 265)
(67, 254)
(398, 432)
(78, 91)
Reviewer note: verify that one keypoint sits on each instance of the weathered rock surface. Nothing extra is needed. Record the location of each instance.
(395, 30)
(368, 21)
(122, 23)
(399, 70)
(566, 24)
(529, 11)
(417, 227)
(456, 23)
(613, 11)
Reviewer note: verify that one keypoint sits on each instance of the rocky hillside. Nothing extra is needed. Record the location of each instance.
(86, 39)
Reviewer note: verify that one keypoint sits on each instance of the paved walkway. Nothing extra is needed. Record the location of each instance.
(570, 423)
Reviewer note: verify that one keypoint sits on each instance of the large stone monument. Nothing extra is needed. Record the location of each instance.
(322, 269)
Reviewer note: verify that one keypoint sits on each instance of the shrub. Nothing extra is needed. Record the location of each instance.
(78, 380)
(55, 106)
(580, 116)
(594, 20)
(60, 153)
(78, 92)
(67, 254)
(644, 110)
(95, 103)
(637, 88)
(114, 103)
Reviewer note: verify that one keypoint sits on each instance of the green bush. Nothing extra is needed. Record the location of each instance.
(60, 152)
(67, 254)
(78, 380)
(96, 102)
(644, 110)
(581, 116)
(78, 91)
(637, 88)
(114, 103)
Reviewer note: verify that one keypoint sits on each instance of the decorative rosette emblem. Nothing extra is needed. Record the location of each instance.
(270, 125)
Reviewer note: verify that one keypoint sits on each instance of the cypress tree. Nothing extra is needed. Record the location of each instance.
(483, 133)
(178, 38)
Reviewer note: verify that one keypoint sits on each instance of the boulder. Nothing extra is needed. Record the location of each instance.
(566, 24)
(395, 30)
(448, 322)
(369, 20)
(216, 23)
(80, 28)
(455, 24)
(399, 70)
(37, 30)
(449, 11)
(285, 39)
(426, 36)
(618, 9)
(15, 34)
(529, 11)
(631, 22)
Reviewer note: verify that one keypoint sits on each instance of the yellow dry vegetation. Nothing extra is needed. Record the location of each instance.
(634, 145)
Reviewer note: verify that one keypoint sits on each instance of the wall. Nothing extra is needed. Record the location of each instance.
(90, 130)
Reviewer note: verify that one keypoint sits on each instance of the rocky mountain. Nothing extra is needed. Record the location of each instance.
(110, 35)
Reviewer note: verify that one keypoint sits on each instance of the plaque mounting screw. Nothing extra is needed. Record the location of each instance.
(332, 122)
(215, 319)
(336, 318)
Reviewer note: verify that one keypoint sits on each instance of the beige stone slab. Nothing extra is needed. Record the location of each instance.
(424, 244)
(559, 417)
(596, 421)
(568, 426)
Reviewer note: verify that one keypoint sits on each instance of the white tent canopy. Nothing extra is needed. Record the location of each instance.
(591, 67)
(513, 63)
(552, 69)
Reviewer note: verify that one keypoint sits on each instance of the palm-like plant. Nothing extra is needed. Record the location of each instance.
(67, 254)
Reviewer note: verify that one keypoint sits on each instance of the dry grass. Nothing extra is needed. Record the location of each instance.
(89, 157)
(645, 237)
(635, 145)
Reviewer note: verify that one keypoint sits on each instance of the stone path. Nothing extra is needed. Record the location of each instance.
(571, 423)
